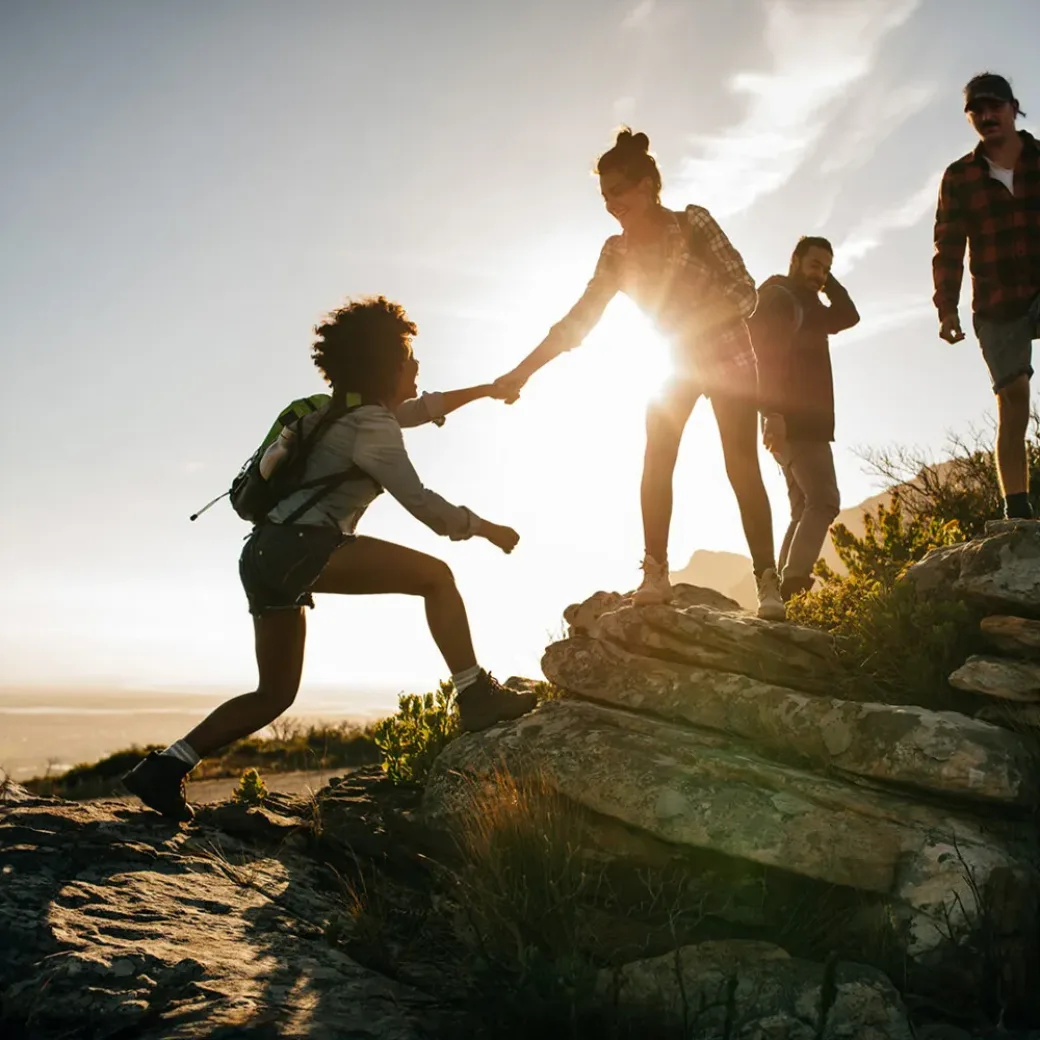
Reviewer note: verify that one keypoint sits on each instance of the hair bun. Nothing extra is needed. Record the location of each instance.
(630, 142)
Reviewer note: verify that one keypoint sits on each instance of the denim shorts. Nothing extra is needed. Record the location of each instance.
(1007, 346)
(281, 562)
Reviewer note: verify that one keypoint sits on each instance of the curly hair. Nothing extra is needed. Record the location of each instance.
(361, 347)
(631, 157)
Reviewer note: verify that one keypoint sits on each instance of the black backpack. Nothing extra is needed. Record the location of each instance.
(253, 496)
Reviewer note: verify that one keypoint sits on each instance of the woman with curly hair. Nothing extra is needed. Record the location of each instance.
(683, 272)
(308, 544)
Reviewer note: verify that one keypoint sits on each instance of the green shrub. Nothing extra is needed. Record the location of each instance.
(251, 789)
(896, 646)
(411, 739)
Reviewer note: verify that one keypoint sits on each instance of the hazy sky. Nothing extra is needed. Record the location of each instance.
(186, 187)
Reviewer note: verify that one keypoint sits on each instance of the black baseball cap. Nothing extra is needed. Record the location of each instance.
(988, 87)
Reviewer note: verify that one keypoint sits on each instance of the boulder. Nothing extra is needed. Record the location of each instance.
(998, 571)
(114, 922)
(943, 753)
(749, 990)
(696, 790)
(999, 677)
(793, 656)
(1019, 637)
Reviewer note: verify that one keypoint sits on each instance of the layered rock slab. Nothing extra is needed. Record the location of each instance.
(939, 752)
(691, 789)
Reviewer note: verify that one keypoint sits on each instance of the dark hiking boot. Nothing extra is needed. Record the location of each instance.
(158, 781)
(794, 586)
(487, 701)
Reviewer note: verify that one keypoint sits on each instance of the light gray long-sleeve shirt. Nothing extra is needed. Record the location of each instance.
(370, 438)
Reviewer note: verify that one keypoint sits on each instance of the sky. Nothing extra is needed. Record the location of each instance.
(187, 187)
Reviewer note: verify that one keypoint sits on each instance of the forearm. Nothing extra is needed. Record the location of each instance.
(538, 358)
(451, 400)
(842, 313)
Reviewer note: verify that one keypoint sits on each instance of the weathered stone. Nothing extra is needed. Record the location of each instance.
(1017, 636)
(687, 788)
(999, 571)
(115, 922)
(751, 990)
(12, 793)
(999, 677)
(798, 657)
(582, 617)
(942, 752)
(1018, 717)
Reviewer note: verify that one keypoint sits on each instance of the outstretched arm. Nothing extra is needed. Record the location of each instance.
(379, 450)
(569, 332)
(433, 407)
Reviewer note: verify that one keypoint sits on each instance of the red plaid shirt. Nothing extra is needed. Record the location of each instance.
(1001, 229)
(693, 272)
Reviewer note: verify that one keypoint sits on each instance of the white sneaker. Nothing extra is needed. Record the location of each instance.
(656, 586)
(770, 602)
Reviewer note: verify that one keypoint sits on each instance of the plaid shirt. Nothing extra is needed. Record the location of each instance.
(694, 286)
(1002, 230)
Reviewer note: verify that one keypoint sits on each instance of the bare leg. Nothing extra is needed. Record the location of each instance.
(665, 421)
(738, 427)
(368, 566)
(279, 637)
(1012, 423)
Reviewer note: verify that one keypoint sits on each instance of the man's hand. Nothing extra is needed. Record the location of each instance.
(505, 538)
(507, 388)
(774, 432)
(950, 329)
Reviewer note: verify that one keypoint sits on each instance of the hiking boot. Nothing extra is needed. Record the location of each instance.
(158, 781)
(794, 586)
(487, 701)
(770, 602)
(656, 586)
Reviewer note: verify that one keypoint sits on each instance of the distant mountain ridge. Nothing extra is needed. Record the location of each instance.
(731, 574)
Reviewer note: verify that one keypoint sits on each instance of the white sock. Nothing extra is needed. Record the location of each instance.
(466, 678)
(182, 750)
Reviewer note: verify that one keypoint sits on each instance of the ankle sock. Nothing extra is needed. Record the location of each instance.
(466, 678)
(1017, 507)
(184, 752)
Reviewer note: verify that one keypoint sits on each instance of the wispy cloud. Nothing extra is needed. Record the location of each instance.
(639, 15)
(866, 236)
(819, 52)
(875, 116)
(885, 315)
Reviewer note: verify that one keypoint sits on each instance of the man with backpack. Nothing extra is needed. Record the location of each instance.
(790, 330)
(305, 490)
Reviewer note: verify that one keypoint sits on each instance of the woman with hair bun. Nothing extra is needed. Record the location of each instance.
(683, 273)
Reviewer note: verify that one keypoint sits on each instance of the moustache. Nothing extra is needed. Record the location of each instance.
(989, 123)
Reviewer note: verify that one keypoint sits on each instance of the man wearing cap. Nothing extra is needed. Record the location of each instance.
(990, 199)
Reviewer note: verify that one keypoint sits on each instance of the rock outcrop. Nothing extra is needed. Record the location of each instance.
(764, 991)
(708, 732)
(116, 923)
(998, 572)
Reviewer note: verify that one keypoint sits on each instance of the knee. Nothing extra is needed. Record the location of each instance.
(437, 576)
(743, 472)
(1014, 404)
(277, 697)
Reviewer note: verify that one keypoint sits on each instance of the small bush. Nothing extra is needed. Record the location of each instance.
(410, 740)
(897, 647)
(251, 789)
